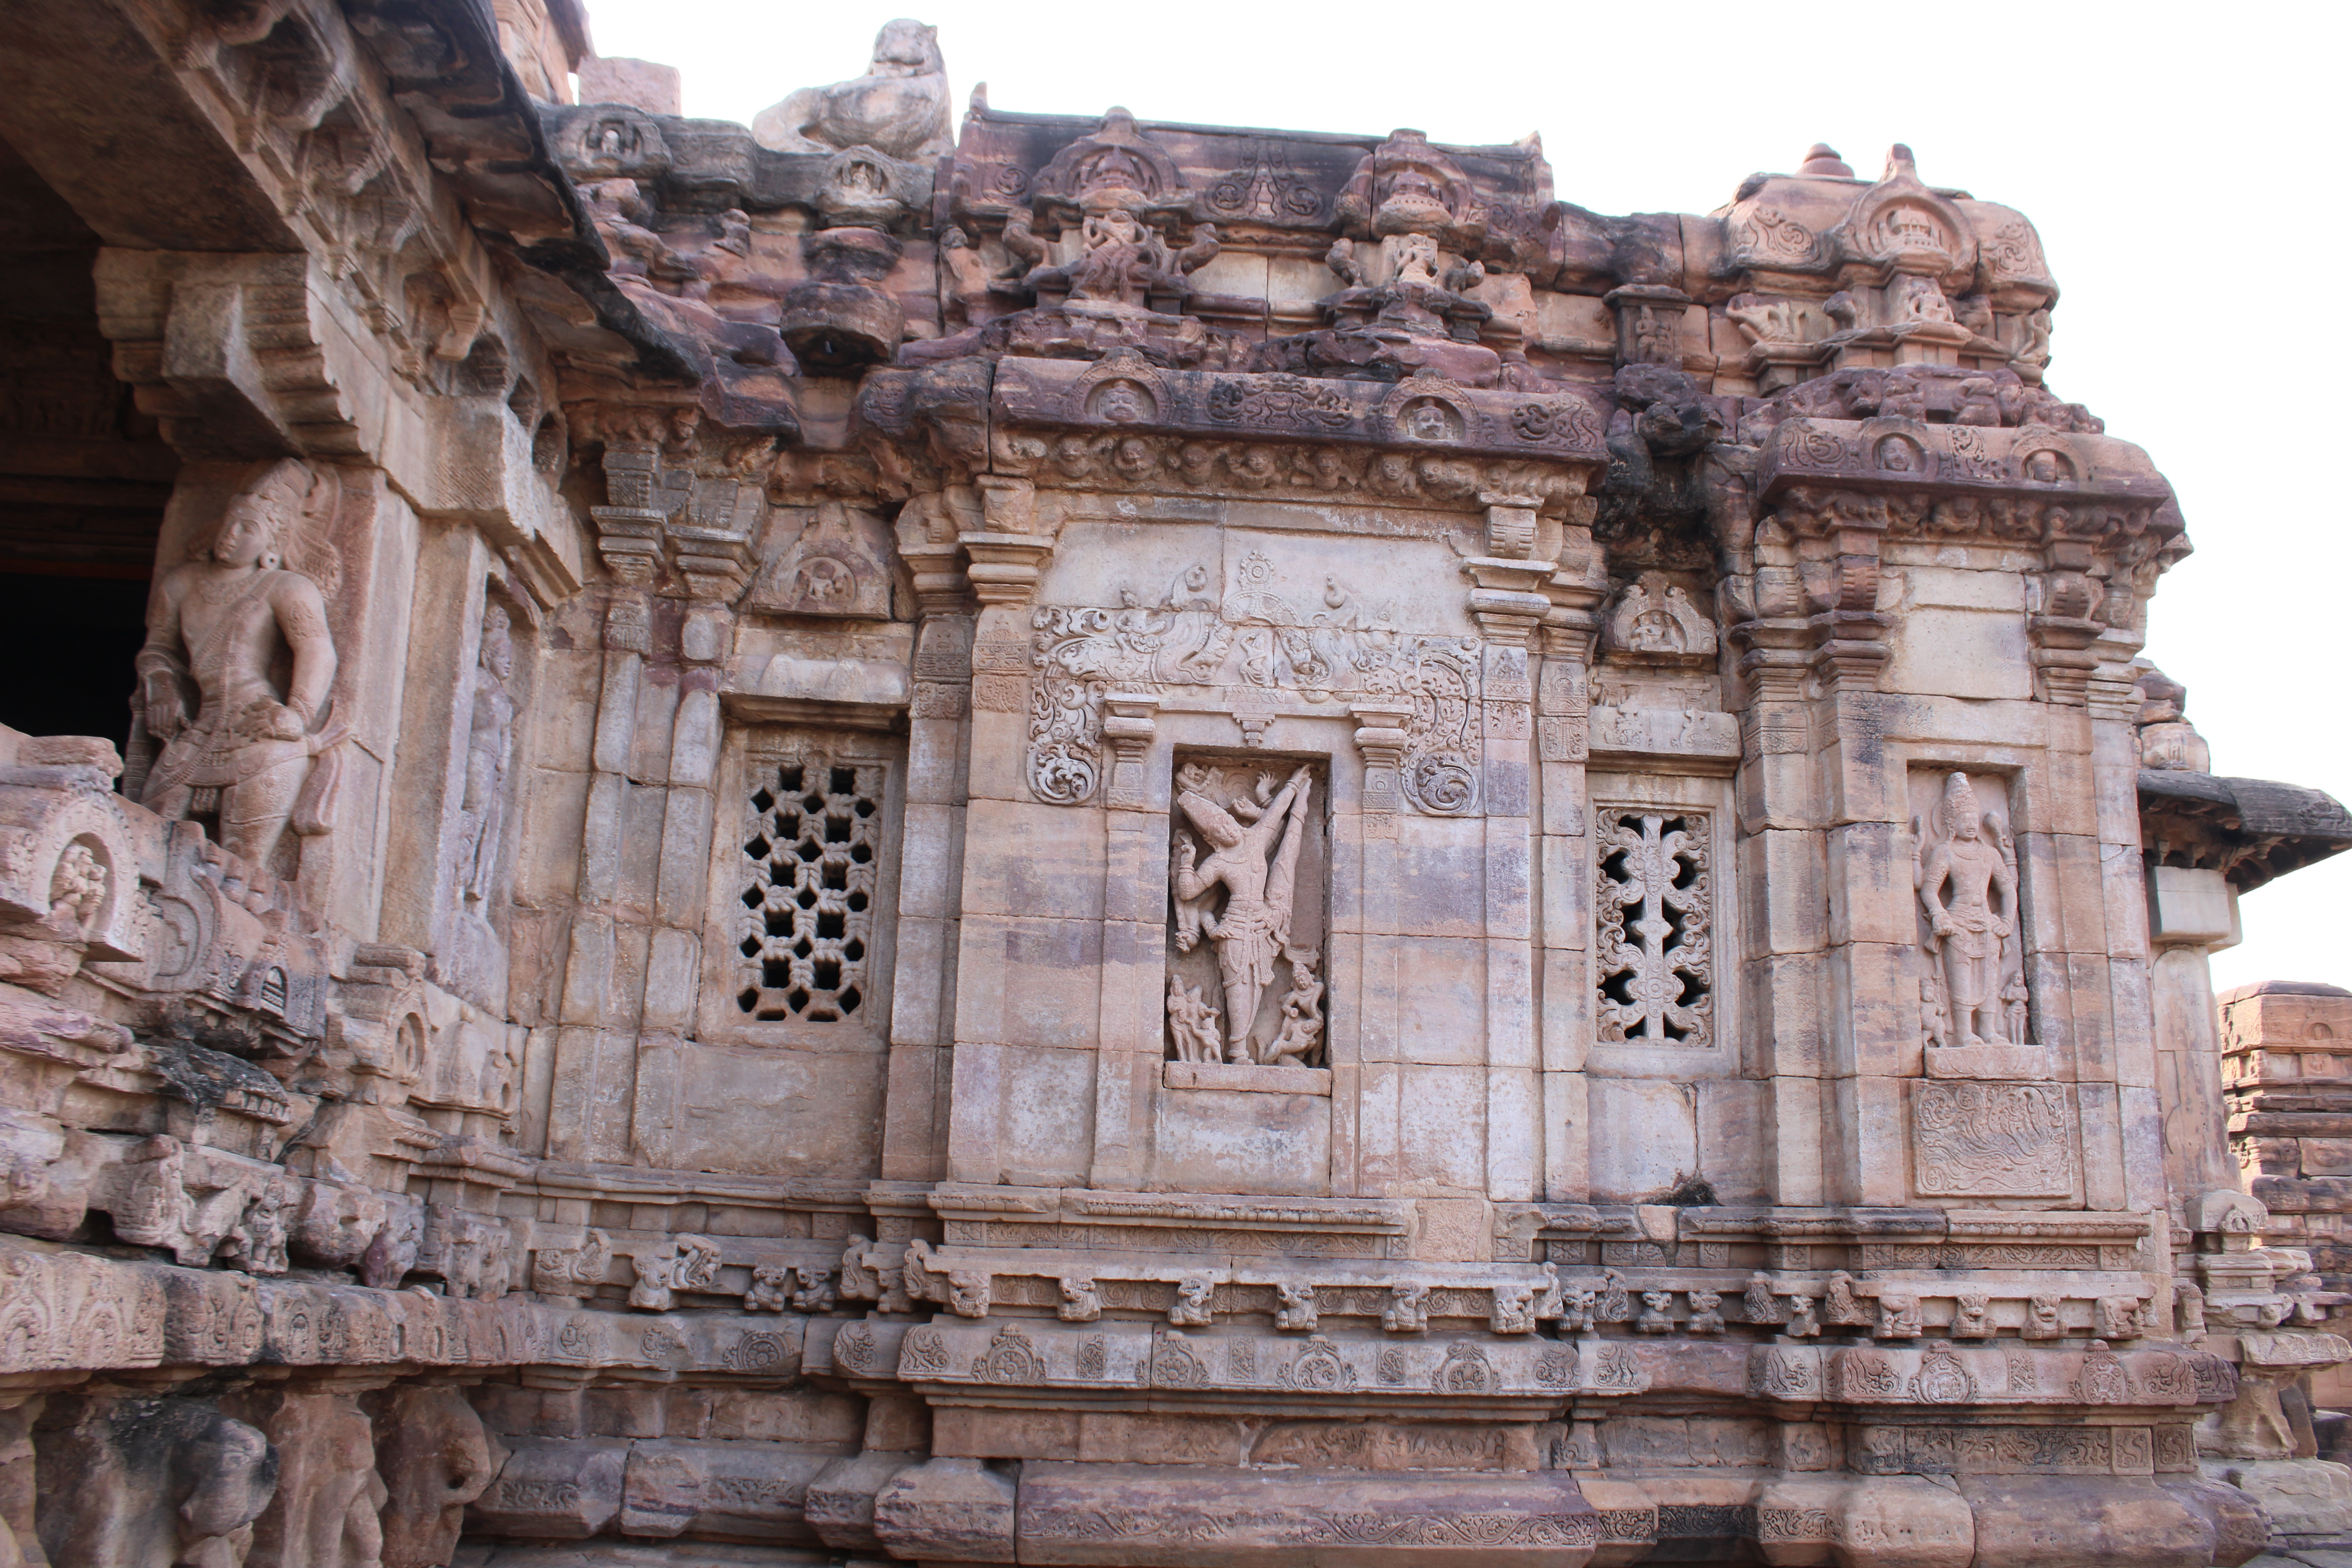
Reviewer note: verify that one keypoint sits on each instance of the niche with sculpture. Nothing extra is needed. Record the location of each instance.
(234, 724)
(1974, 1011)
(1249, 866)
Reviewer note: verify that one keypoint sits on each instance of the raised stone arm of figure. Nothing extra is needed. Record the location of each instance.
(1281, 883)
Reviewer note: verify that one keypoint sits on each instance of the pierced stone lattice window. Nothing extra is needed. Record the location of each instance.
(810, 864)
(1655, 961)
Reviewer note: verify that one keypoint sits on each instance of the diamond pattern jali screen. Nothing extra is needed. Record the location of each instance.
(811, 861)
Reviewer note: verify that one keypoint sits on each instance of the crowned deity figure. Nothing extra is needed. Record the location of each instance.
(235, 675)
(1253, 927)
(1968, 888)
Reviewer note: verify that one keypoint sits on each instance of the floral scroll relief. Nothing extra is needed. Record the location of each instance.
(1655, 895)
(1255, 640)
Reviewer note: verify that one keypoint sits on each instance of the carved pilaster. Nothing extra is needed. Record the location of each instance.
(1849, 633)
(629, 531)
(2062, 629)
(1380, 737)
(1506, 602)
(1129, 721)
(1005, 567)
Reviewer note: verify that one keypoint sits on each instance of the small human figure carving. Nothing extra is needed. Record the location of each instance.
(490, 752)
(770, 1289)
(1514, 1309)
(1081, 1301)
(1302, 1010)
(1840, 1306)
(813, 1289)
(1193, 1023)
(1804, 1320)
(1657, 1312)
(1295, 1307)
(259, 1238)
(1705, 1318)
(1921, 299)
(1253, 926)
(2033, 339)
(1968, 889)
(1408, 1310)
(1190, 1308)
(214, 631)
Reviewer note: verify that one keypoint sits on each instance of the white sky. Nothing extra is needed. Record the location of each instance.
(2181, 164)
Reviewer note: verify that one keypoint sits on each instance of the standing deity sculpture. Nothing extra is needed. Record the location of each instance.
(1968, 888)
(235, 675)
(490, 752)
(1254, 850)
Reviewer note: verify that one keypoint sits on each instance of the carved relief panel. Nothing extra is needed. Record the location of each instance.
(1249, 859)
(1971, 942)
(1257, 626)
(802, 885)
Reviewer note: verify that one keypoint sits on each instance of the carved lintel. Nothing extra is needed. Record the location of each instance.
(1129, 719)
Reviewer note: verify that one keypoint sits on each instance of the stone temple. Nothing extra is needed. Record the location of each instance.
(1044, 839)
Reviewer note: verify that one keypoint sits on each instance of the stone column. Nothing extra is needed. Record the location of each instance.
(2112, 700)
(1509, 608)
(590, 1107)
(1368, 1132)
(1784, 928)
(1564, 861)
(1006, 558)
(1872, 1032)
(1135, 901)
(2063, 903)
(930, 855)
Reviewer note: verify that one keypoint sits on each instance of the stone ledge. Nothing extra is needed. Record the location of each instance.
(1247, 1078)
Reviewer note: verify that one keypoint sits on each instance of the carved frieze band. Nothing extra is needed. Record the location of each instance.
(1252, 650)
